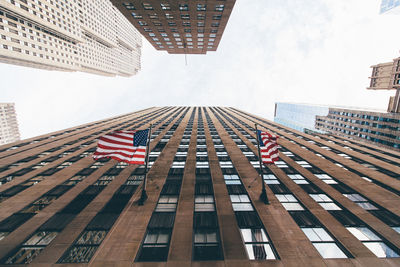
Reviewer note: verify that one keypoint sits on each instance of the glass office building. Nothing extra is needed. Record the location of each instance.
(390, 6)
(298, 116)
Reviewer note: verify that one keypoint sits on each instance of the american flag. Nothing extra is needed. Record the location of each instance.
(125, 146)
(268, 147)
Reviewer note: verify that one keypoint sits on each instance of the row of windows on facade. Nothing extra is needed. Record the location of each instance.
(88, 237)
(365, 116)
(344, 140)
(182, 7)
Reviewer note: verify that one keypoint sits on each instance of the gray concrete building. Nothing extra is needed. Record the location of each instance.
(72, 35)
(9, 131)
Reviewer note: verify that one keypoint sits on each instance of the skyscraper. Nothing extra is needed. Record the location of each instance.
(386, 76)
(298, 116)
(382, 128)
(390, 6)
(89, 36)
(332, 201)
(179, 27)
(8, 124)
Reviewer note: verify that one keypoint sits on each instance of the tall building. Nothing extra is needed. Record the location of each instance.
(382, 128)
(89, 36)
(332, 201)
(179, 27)
(298, 116)
(390, 6)
(8, 124)
(386, 76)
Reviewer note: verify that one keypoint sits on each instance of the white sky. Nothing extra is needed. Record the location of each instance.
(307, 51)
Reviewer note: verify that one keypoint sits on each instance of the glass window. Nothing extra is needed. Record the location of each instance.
(167, 203)
(204, 203)
(32, 247)
(289, 202)
(380, 249)
(325, 201)
(324, 243)
(329, 250)
(256, 243)
(241, 202)
(298, 178)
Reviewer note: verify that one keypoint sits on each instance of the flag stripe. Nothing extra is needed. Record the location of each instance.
(269, 148)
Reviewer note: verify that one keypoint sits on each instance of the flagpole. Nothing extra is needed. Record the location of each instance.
(263, 196)
(143, 196)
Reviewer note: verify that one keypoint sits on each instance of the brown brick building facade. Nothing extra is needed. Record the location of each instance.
(333, 202)
(179, 27)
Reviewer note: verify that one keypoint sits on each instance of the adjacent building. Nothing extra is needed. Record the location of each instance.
(390, 7)
(382, 128)
(298, 116)
(332, 202)
(386, 76)
(8, 124)
(179, 27)
(89, 36)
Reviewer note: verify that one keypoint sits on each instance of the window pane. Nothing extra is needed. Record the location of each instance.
(381, 250)
(330, 206)
(242, 207)
(329, 250)
(363, 233)
(203, 207)
(292, 206)
(366, 206)
(311, 234)
(259, 252)
(323, 235)
(247, 235)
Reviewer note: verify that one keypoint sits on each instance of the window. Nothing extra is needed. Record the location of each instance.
(270, 179)
(325, 201)
(201, 7)
(281, 164)
(304, 164)
(256, 243)
(167, 203)
(232, 179)
(219, 8)
(202, 164)
(325, 178)
(241, 202)
(324, 243)
(147, 6)
(32, 247)
(165, 6)
(226, 164)
(298, 178)
(185, 16)
(183, 7)
(206, 245)
(372, 242)
(155, 245)
(289, 202)
(204, 203)
(178, 164)
(360, 201)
